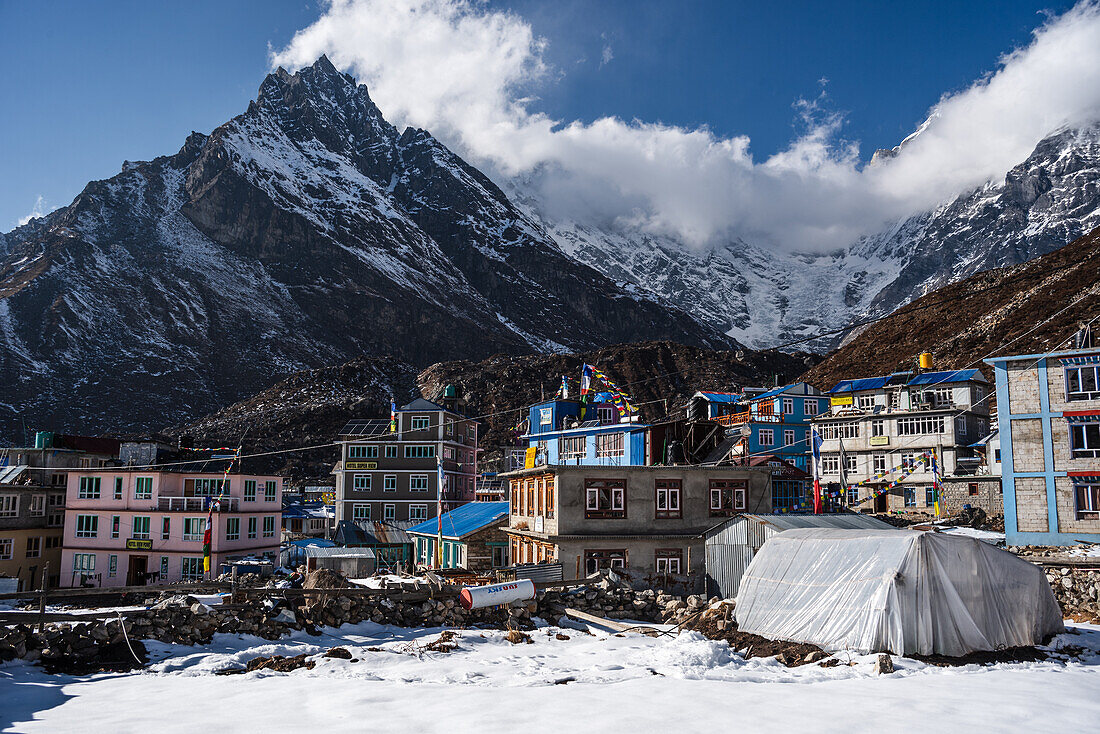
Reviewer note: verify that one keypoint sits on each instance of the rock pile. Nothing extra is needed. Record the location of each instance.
(1076, 589)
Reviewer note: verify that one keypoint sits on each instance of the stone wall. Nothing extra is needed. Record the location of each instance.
(1076, 589)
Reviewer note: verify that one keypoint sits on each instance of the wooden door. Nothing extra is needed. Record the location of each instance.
(135, 575)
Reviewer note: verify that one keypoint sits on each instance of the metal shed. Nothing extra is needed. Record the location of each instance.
(354, 563)
(730, 546)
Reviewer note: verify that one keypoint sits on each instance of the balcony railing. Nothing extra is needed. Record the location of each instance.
(762, 414)
(196, 504)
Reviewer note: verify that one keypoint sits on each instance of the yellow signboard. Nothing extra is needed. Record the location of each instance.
(530, 456)
(361, 465)
(841, 400)
(880, 440)
(136, 544)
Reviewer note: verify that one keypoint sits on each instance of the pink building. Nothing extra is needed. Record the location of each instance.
(124, 527)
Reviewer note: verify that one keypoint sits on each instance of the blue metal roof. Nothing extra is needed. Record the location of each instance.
(463, 520)
(721, 397)
(865, 383)
(939, 378)
(773, 392)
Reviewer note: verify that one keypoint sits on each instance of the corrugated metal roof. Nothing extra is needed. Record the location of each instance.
(422, 404)
(865, 383)
(463, 520)
(318, 551)
(779, 523)
(10, 473)
(721, 397)
(939, 378)
(773, 392)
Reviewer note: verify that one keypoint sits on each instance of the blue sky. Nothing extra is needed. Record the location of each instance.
(88, 85)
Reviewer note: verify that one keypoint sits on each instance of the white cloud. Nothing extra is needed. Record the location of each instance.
(40, 209)
(468, 73)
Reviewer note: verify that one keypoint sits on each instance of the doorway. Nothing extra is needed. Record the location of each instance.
(135, 575)
(881, 504)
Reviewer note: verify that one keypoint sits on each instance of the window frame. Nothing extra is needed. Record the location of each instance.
(1089, 446)
(143, 488)
(387, 484)
(232, 528)
(1081, 393)
(765, 436)
(617, 504)
(421, 512)
(90, 526)
(88, 488)
(420, 423)
(672, 488)
(267, 528)
(415, 479)
(739, 488)
(141, 534)
(669, 558)
(389, 512)
(1089, 509)
(616, 558)
(610, 452)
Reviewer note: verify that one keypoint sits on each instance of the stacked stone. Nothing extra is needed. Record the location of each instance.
(1076, 589)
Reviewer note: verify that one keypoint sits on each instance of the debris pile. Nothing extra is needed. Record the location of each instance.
(1077, 591)
(716, 622)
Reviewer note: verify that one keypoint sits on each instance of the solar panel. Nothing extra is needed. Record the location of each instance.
(370, 427)
(589, 424)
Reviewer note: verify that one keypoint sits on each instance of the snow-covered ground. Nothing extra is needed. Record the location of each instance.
(989, 536)
(587, 683)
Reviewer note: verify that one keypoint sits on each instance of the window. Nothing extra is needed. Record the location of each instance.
(910, 496)
(418, 483)
(270, 491)
(420, 452)
(362, 452)
(163, 567)
(550, 497)
(360, 513)
(1084, 440)
(57, 479)
(668, 499)
(34, 547)
(471, 431)
(391, 452)
(943, 397)
(605, 498)
(605, 414)
(116, 522)
(55, 518)
(786, 494)
(112, 565)
(165, 527)
(84, 562)
(389, 483)
(727, 496)
(38, 505)
(850, 462)
(610, 444)
(250, 490)
(893, 399)
(788, 406)
(878, 427)
(7, 549)
(572, 447)
(53, 542)
(853, 495)
(830, 464)
(847, 429)
(809, 407)
(908, 460)
(929, 496)
(143, 488)
(598, 560)
(972, 489)
(233, 528)
(1087, 500)
(668, 560)
(878, 463)
(960, 425)
(118, 488)
(389, 512)
(418, 512)
(9, 505)
(87, 526)
(88, 489)
(920, 425)
(269, 526)
(191, 569)
(1083, 383)
(866, 402)
(448, 453)
(193, 528)
(420, 422)
(766, 437)
(252, 527)
(500, 556)
(788, 437)
(206, 487)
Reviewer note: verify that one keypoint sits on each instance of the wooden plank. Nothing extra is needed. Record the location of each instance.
(30, 617)
(64, 592)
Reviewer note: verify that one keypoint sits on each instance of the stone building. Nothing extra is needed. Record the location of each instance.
(883, 429)
(648, 520)
(392, 476)
(1048, 407)
(473, 538)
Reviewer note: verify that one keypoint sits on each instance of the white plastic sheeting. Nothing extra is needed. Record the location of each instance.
(896, 591)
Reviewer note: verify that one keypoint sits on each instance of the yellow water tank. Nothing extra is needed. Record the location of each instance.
(926, 360)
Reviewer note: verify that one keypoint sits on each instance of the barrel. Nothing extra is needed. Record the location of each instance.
(493, 595)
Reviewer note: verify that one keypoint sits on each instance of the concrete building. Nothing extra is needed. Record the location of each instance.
(473, 537)
(878, 429)
(393, 476)
(127, 527)
(775, 421)
(563, 431)
(1048, 407)
(647, 520)
(32, 502)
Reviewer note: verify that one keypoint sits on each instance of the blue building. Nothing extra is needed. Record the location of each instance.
(1048, 410)
(564, 431)
(774, 422)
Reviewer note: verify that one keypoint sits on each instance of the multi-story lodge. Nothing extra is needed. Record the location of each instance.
(769, 422)
(125, 527)
(564, 431)
(1048, 406)
(648, 520)
(393, 476)
(32, 502)
(879, 428)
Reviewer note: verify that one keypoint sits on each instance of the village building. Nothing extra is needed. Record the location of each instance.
(774, 422)
(647, 520)
(596, 433)
(307, 520)
(126, 527)
(1048, 407)
(390, 541)
(883, 431)
(32, 502)
(473, 538)
(490, 488)
(792, 487)
(392, 475)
